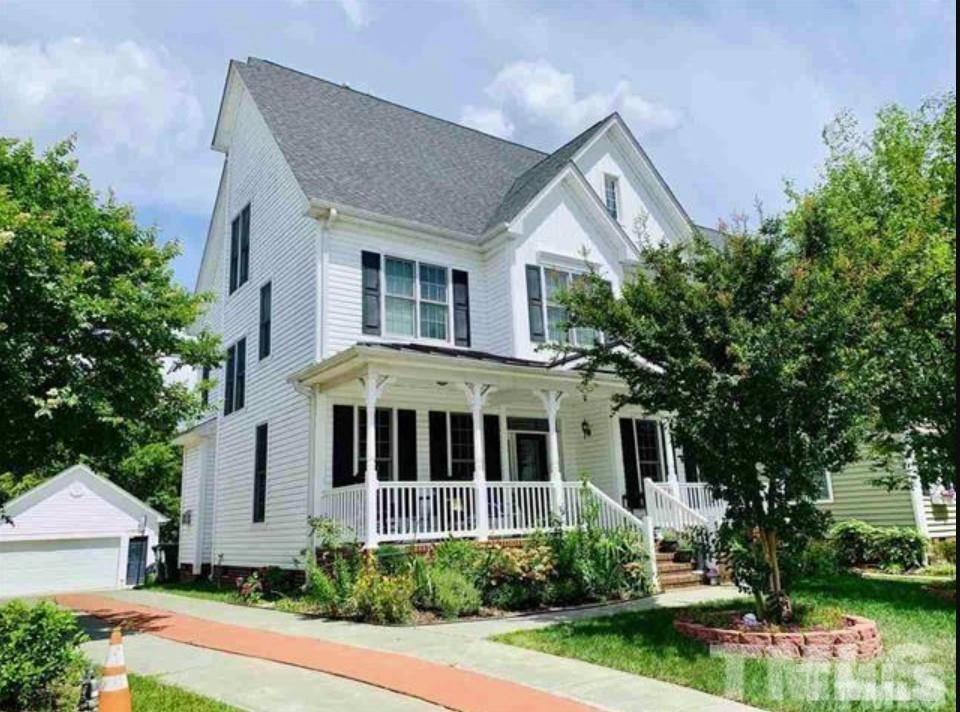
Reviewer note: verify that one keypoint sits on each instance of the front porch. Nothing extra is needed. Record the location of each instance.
(414, 445)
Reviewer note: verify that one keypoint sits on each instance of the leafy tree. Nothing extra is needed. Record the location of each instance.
(883, 218)
(749, 348)
(88, 312)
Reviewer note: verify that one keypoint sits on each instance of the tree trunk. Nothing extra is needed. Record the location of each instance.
(779, 606)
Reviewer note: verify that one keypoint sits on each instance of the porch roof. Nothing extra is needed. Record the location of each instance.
(422, 362)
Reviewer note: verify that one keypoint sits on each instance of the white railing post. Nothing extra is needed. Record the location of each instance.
(648, 534)
(476, 397)
(669, 459)
(551, 403)
(373, 385)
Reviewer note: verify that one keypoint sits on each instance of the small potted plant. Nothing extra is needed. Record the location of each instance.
(683, 554)
(669, 541)
(712, 574)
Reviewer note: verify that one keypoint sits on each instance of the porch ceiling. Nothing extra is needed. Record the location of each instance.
(430, 368)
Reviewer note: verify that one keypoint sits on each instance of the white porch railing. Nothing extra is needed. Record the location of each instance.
(679, 506)
(425, 511)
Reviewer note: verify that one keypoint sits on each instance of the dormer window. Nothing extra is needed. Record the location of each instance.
(611, 194)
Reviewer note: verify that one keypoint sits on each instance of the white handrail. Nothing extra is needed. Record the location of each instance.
(699, 497)
(667, 511)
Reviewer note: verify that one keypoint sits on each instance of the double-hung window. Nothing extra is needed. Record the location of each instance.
(611, 196)
(240, 249)
(234, 386)
(434, 301)
(383, 429)
(553, 313)
(461, 446)
(400, 297)
(414, 300)
(266, 318)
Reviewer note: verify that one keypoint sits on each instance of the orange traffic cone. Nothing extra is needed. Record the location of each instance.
(114, 690)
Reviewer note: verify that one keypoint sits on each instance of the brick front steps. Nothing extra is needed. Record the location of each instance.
(859, 639)
(675, 575)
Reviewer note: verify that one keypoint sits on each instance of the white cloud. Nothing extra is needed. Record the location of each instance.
(541, 94)
(357, 11)
(139, 125)
(487, 119)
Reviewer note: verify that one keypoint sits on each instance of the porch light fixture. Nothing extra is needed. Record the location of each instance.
(585, 427)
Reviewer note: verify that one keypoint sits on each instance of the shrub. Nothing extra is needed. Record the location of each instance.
(332, 590)
(250, 588)
(858, 543)
(820, 559)
(945, 551)
(454, 594)
(463, 556)
(381, 598)
(40, 662)
(392, 559)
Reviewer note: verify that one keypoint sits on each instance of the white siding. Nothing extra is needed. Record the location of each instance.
(189, 500)
(941, 519)
(282, 250)
(206, 500)
(558, 226)
(344, 245)
(607, 156)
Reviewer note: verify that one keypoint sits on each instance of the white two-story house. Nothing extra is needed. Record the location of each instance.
(385, 284)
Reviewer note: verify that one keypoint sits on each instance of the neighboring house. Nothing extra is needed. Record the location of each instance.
(76, 531)
(852, 494)
(384, 283)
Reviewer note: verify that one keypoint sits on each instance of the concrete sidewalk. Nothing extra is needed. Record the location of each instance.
(464, 645)
(246, 683)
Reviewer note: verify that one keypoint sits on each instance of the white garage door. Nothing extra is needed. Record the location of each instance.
(55, 566)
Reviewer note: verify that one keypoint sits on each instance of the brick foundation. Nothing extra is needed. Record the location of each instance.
(859, 639)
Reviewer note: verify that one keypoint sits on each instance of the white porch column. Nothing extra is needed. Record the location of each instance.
(669, 460)
(551, 403)
(476, 397)
(373, 386)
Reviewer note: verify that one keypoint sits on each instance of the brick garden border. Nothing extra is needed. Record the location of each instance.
(859, 639)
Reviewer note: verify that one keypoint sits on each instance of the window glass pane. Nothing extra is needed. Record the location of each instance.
(399, 275)
(823, 493)
(461, 445)
(648, 449)
(556, 281)
(400, 316)
(433, 283)
(433, 321)
(556, 324)
(586, 337)
(611, 195)
(382, 426)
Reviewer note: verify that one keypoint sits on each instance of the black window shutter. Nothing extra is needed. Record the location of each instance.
(244, 246)
(535, 304)
(240, 390)
(461, 308)
(260, 474)
(228, 380)
(266, 307)
(407, 445)
(438, 445)
(371, 293)
(234, 252)
(205, 391)
(343, 474)
(628, 446)
(491, 447)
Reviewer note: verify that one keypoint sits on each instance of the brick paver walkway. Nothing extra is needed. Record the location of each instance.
(449, 687)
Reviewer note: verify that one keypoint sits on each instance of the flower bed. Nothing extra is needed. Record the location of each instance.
(856, 639)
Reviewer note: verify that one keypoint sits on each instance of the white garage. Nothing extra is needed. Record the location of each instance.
(75, 532)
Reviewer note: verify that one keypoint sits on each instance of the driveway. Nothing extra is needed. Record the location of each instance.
(463, 646)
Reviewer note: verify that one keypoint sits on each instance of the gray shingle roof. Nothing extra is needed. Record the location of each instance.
(354, 149)
(526, 187)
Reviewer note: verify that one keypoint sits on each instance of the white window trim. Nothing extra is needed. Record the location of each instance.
(615, 180)
(417, 299)
(829, 500)
(570, 275)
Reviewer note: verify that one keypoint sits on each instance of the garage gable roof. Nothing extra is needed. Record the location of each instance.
(97, 483)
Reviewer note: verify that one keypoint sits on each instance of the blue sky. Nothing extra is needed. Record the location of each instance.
(728, 98)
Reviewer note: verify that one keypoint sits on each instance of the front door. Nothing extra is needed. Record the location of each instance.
(531, 457)
(137, 561)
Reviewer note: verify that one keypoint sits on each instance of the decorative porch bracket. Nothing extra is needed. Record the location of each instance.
(551, 403)
(477, 394)
(374, 386)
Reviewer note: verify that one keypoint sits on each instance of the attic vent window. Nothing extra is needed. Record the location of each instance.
(611, 195)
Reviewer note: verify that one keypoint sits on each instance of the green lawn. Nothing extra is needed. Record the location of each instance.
(198, 589)
(645, 643)
(151, 695)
